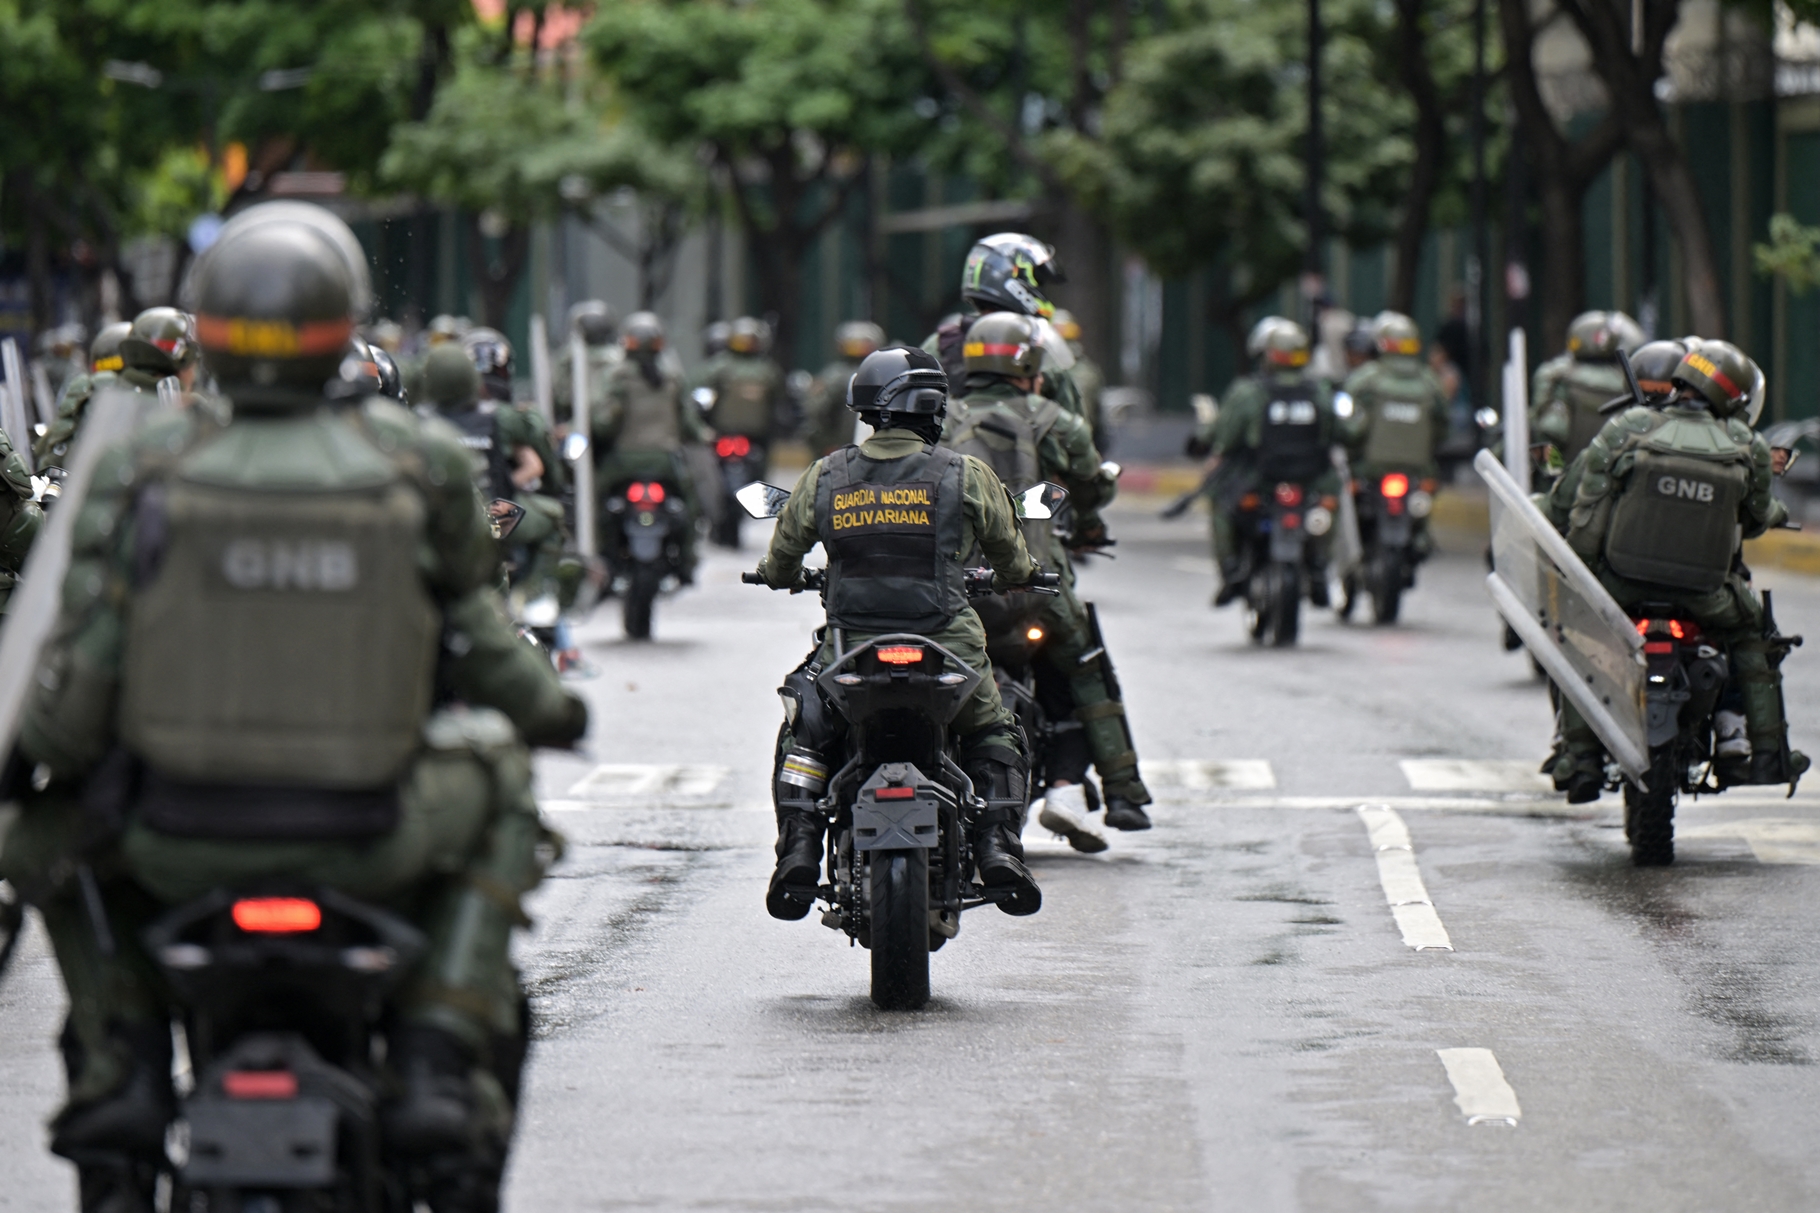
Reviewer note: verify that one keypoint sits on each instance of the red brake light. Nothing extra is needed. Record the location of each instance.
(1642, 627)
(1396, 484)
(656, 494)
(900, 654)
(1289, 494)
(635, 493)
(1676, 630)
(733, 446)
(1291, 521)
(277, 915)
(894, 793)
(259, 1084)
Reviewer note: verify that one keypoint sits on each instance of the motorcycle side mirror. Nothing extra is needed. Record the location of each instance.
(1111, 469)
(504, 516)
(703, 397)
(1041, 500)
(762, 500)
(574, 447)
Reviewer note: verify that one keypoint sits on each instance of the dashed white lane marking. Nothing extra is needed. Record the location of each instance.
(618, 781)
(1480, 1089)
(1402, 880)
(1474, 775)
(1195, 775)
(1771, 839)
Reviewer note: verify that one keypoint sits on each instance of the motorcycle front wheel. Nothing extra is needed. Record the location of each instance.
(899, 913)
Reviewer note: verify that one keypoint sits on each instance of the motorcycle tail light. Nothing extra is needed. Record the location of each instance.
(1394, 485)
(655, 493)
(894, 793)
(259, 1084)
(900, 654)
(635, 493)
(733, 446)
(1291, 521)
(1289, 494)
(1677, 629)
(277, 915)
(1642, 627)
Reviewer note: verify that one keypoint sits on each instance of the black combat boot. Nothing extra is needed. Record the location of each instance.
(1232, 583)
(1318, 595)
(1121, 814)
(799, 862)
(130, 1120)
(1769, 767)
(1585, 781)
(999, 776)
(434, 1112)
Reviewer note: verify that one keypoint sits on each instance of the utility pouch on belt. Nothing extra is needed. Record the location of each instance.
(1675, 523)
(282, 637)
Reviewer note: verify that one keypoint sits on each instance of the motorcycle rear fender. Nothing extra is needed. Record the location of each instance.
(645, 543)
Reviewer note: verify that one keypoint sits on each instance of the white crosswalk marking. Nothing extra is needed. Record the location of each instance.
(1480, 1089)
(1772, 839)
(1474, 775)
(1401, 880)
(647, 782)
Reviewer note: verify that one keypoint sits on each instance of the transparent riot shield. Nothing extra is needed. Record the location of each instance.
(1566, 619)
(1348, 548)
(32, 614)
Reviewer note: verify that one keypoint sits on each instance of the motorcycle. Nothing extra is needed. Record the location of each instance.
(1686, 687)
(1273, 556)
(645, 522)
(900, 866)
(1391, 510)
(742, 460)
(280, 995)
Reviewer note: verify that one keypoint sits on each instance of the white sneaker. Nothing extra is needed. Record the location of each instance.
(1065, 813)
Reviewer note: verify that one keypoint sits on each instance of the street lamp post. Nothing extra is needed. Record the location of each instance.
(1314, 264)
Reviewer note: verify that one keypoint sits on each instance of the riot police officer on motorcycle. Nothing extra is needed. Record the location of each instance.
(905, 573)
(1663, 498)
(1026, 439)
(263, 615)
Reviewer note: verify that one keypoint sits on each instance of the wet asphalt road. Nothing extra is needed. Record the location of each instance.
(1218, 1014)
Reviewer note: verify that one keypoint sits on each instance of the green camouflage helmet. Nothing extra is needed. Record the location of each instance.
(642, 331)
(1003, 343)
(275, 310)
(1630, 334)
(104, 351)
(592, 321)
(857, 338)
(450, 379)
(749, 336)
(1284, 343)
(1260, 335)
(1396, 333)
(1592, 337)
(161, 340)
(1721, 375)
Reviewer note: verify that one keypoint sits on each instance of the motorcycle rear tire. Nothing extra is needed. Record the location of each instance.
(899, 914)
(1387, 587)
(641, 593)
(1650, 815)
(1285, 595)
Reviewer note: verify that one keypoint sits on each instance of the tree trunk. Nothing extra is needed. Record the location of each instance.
(497, 279)
(1563, 259)
(1085, 251)
(1431, 146)
(1680, 197)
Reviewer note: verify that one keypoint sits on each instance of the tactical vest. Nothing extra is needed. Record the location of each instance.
(1289, 439)
(1585, 388)
(479, 426)
(1006, 434)
(279, 633)
(950, 349)
(1674, 521)
(743, 398)
(1402, 419)
(647, 420)
(892, 531)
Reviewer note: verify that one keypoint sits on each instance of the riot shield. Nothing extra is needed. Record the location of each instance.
(542, 390)
(13, 416)
(1566, 619)
(32, 615)
(583, 394)
(1348, 548)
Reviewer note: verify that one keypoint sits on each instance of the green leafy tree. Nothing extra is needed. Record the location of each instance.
(787, 100)
(1792, 253)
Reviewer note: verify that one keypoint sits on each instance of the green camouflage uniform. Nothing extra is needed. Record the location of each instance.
(990, 520)
(1065, 454)
(747, 388)
(1234, 435)
(827, 421)
(467, 838)
(1568, 417)
(1731, 614)
(20, 520)
(1399, 421)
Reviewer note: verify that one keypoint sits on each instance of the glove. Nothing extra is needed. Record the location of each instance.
(1089, 537)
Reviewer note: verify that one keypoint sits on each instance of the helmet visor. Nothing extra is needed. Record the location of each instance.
(1057, 356)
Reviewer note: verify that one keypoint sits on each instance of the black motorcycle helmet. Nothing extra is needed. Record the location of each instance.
(359, 374)
(592, 321)
(1654, 364)
(491, 355)
(899, 385)
(275, 310)
(1008, 273)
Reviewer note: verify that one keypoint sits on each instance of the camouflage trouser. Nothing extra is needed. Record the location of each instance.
(540, 542)
(1732, 616)
(468, 844)
(1098, 706)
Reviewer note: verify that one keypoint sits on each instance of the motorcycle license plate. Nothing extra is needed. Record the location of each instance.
(1394, 532)
(1286, 544)
(287, 1143)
